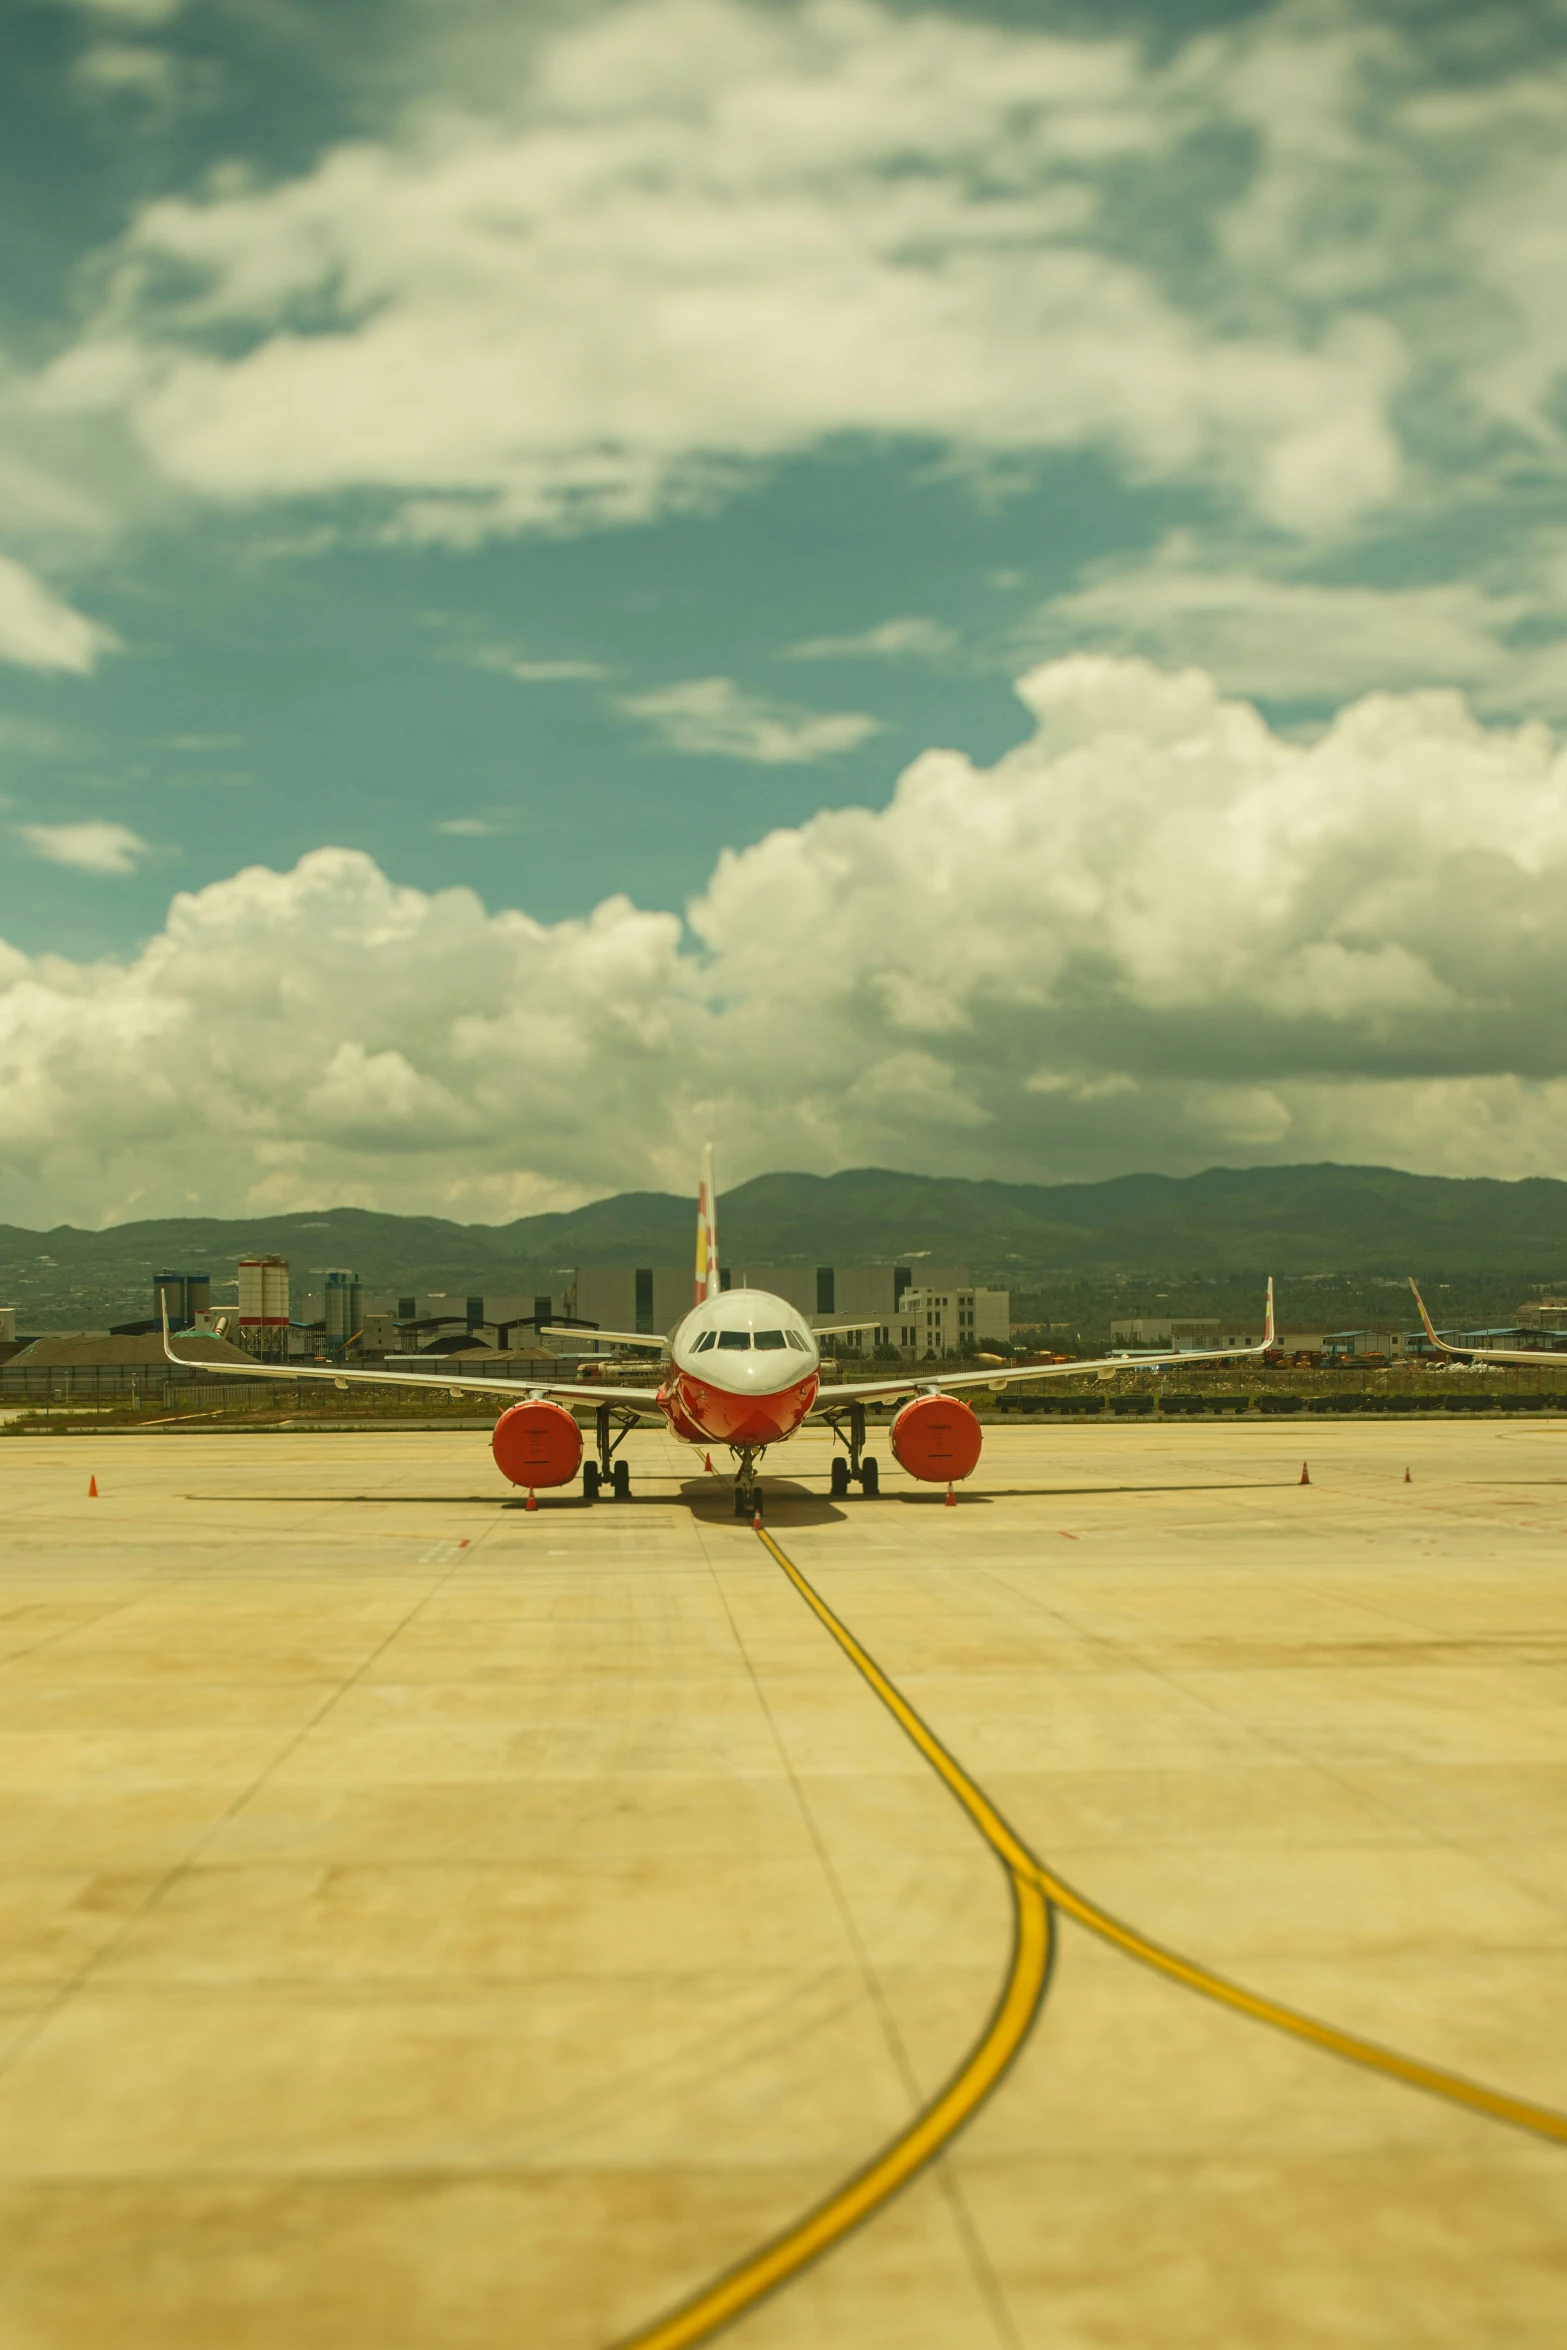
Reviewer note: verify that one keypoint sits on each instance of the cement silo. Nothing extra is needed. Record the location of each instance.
(344, 1309)
(263, 1304)
(184, 1294)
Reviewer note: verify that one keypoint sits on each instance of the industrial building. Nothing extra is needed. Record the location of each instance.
(940, 1315)
(931, 1321)
(654, 1298)
(437, 1324)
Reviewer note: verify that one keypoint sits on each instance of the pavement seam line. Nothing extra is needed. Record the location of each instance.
(83, 1976)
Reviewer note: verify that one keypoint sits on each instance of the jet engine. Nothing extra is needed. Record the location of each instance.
(537, 1443)
(937, 1439)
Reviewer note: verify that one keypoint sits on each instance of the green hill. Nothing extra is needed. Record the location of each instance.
(1297, 1222)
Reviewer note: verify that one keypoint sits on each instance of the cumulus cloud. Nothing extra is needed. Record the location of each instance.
(690, 237)
(87, 848)
(712, 718)
(38, 631)
(1154, 934)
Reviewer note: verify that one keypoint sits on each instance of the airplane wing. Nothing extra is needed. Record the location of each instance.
(938, 1382)
(610, 1337)
(865, 1322)
(558, 1390)
(1534, 1356)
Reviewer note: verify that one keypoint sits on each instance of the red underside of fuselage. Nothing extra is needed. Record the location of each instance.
(701, 1413)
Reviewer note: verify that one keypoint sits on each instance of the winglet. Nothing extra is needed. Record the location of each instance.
(1267, 1320)
(1424, 1316)
(163, 1308)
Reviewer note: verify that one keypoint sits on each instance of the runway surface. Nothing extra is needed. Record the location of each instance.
(431, 1923)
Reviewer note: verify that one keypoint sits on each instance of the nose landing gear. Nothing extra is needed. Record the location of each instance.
(748, 1494)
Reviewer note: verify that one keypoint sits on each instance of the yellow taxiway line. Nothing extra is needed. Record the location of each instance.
(932, 2128)
(1036, 1891)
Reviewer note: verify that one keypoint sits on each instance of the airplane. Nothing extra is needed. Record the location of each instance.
(1533, 1356)
(743, 1370)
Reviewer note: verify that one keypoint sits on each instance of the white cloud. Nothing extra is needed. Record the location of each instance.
(912, 638)
(471, 827)
(130, 13)
(1288, 638)
(690, 237)
(38, 631)
(534, 672)
(110, 70)
(88, 848)
(1154, 934)
(712, 718)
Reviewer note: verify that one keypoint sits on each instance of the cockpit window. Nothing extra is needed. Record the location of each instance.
(800, 1345)
(773, 1340)
(706, 1340)
(734, 1338)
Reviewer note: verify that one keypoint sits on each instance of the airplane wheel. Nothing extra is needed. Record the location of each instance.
(870, 1479)
(840, 1476)
(590, 1480)
(622, 1480)
(743, 1506)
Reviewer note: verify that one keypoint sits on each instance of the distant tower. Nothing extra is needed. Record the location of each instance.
(344, 1319)
(263, 1304)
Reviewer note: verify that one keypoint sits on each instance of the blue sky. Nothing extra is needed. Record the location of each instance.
(539, 458)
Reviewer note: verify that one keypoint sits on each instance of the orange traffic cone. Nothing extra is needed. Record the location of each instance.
(1408, 1480)
(756, 1521)
(92, 1488)
(533, 1499)
(1305, 1474)
(707, 1463)
(952, 1499)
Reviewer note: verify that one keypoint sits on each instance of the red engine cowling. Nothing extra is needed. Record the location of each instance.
(537, 1444)
(937, 1439)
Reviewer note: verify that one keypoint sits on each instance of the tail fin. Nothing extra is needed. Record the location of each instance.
(707, 1281)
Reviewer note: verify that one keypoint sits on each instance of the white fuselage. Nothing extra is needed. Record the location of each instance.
(743, 1369)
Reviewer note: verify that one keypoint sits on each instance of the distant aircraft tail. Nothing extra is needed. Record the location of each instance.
(1440, 1344)
(707, 1281)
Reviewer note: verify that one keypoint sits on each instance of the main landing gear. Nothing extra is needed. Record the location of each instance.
(860, 1468)
(606, 1470)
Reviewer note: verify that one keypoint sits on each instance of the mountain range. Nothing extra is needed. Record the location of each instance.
(1292, 1221)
